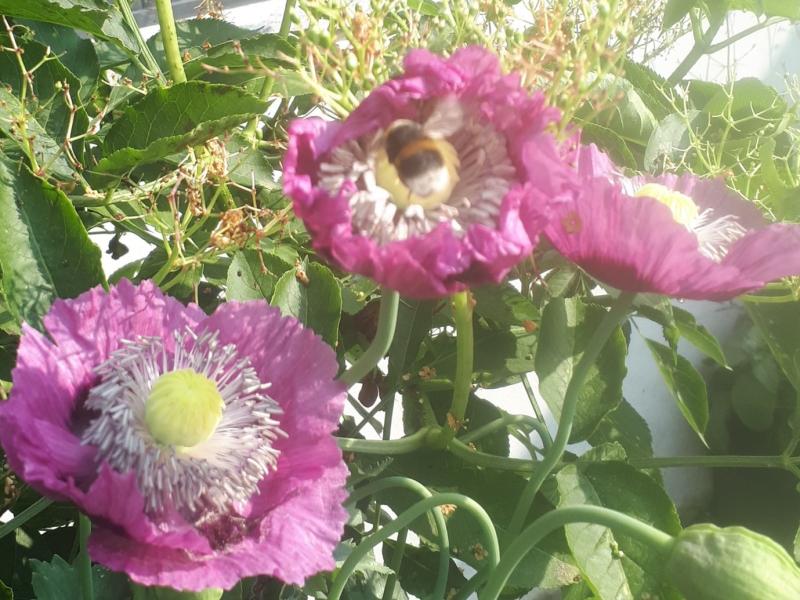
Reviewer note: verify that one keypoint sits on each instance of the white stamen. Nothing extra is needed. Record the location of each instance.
(715, 235)
(210, 476)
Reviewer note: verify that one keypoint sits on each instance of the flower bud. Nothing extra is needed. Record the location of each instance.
(734, 563)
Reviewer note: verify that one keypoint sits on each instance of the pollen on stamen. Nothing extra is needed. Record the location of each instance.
(209, 476)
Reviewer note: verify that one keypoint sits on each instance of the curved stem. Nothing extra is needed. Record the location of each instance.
(527, 540)
(84, 561)
(611, 320)
(169, 35)
(700, 48)
(397, 561)
(25, 516)
(505, 421)
(438, 522)
(387, 320)
(536, 409)
(127, 15)
(388, 447)
(662, 462)
(482, 459)
(462, 312)
(402, 521)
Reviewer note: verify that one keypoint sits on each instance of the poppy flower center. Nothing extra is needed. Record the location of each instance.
(183, 408)
(449, 165)
(190, 417)
(715, 234)
(683, 208)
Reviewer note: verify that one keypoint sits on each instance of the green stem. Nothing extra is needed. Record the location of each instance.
(465, 347)
(505, 421)
(544, 433)
(598, 515)
(700, 48)
(663, 462)
(436, 515)
(490, 461)
(611, 320)
(387, 320)
(402, 521)
(152, 63)
(397, 561)
(169, 36)
(266, 87)
(84, 561)
(388, 447)
(25, 516)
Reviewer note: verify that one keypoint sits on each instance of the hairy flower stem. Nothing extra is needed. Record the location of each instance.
(387, 320)
(613, 317)
(527, 540)
(403, 520)
(84, 562)
(169, 36)
(465, 347)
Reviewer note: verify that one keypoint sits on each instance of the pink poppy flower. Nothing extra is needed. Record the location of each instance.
(241, 476)
(680, 236)
(420, 187)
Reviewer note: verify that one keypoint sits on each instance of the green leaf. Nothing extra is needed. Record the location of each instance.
(164, 593)
(58, 580)
(685, 384)
(769, 8)
(251, 279)
(101, 19)
(317, 304)
(626, 427)
(76, 53)
(617, 566)
(796, 545)
(47, 114)
(627, 115)
(748, 103)
(5, 592)
(504, 305)
(567, 326)
(753, 402)
(420, 567)
(429, 8)
(609, 141)
(675, 11)
(237, 55)
(169, 119)
(414, 319)
(651, 87)
(698, 336)
(779, 325)
(670, 141)
(45, 251)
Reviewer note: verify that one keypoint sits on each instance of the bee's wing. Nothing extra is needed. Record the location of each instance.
(446, 118)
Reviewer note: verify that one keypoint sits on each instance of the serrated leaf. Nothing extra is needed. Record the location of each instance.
(670, 141)
(251, 279)
(610, 142)
(101, 19)
(651, 87)
(76, 53)
(317, 304)
(625, 426)
(789, 9)
(419, 569)
(170, 119)
(567, 326)
(57, 580)
(237, 55)
(45, 252)
(626, 115)
(685, 384)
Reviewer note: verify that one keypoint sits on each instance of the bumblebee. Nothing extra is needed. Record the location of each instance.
(416, 164)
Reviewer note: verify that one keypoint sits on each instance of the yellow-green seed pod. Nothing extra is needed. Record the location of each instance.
(732, 563)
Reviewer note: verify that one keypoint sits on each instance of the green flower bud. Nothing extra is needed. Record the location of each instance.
(734, 563)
